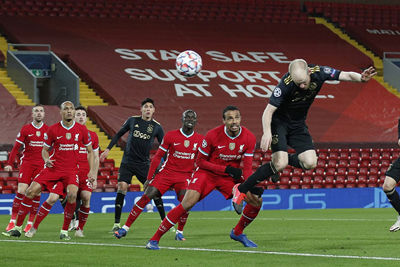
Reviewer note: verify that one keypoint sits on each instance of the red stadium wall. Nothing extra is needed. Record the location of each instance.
(128, 60)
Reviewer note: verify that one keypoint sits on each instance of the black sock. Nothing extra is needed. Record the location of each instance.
(160, 207)
(261, 174)
(394, 199)
(119, 202)
(294, 161)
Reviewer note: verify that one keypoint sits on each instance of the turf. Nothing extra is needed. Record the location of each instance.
(350, 237)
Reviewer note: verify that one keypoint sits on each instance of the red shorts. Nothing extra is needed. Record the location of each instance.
(56, 181)
(204, 182)
(164, 180)
(84, 184)
(27, 172)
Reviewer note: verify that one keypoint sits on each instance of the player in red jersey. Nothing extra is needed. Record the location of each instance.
(85, 186)
(221, 152)
(31, 163)
(60, 170)
(182, 147)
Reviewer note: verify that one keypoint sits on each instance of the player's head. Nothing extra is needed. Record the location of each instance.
(300, 73)
(231, 118)
(147, 108)
(38, 113)
(67, 111)
(81, 115)
(189, 119)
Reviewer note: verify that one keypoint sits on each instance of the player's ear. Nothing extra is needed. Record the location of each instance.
(309, 71)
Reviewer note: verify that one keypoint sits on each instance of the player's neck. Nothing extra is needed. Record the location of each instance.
(37, 123)
(187, 131)
(146, 118)
(67, 123)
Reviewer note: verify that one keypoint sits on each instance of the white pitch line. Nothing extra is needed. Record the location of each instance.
(289, 219)
(211, 250)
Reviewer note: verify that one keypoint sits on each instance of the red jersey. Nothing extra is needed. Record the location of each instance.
(83, 162)
(65, 142)
(219, 150)
(31, 137)
(182, 151)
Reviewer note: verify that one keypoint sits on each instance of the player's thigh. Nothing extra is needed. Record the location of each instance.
(22, 188)
(279, 133)
(225, 185)
(308, 158)
(162, 182)
(202, 182)
(392, 175)
(26, 173)
(190, 199)
(125, 173)
(299, 139)
(280, 160)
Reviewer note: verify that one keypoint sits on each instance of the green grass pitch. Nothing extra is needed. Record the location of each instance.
(336, 237)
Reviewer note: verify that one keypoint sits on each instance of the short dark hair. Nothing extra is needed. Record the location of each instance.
(228, 108)
(147, 100)
(81, 108)
(187, 111)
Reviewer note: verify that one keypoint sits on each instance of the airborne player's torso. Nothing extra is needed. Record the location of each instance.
(32, 138)
(227, 150)
(182, 150)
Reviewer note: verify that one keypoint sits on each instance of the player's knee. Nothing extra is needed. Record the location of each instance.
(388, 184)
(280, 163)
(309, 164)
(71, 196)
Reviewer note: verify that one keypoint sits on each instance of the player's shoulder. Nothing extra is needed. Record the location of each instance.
(156, 122)
(93, 134)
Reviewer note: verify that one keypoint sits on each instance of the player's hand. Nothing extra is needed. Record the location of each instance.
(94, 184)
(235, 173)
(8, 168)
(266, 141)
(367, 74)
(398, 142)
(104, 155)
(49, 163)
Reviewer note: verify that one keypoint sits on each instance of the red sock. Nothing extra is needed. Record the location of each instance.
(137, 210)
(16, 204)
(83, 215)
(182, 221)
(34, 209)
(169, 221)
(249, 214)
(43, 211)
(68, 214)
(26, 205)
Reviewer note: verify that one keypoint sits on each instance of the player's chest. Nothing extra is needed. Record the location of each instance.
(305, 95)
(35, 136)
(143, 130)
(185, 145)
(230, 147)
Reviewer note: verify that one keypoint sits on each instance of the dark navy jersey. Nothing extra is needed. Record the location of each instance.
(292, 101)
(140, 139)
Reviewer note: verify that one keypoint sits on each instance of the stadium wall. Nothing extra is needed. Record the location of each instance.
(343, 198)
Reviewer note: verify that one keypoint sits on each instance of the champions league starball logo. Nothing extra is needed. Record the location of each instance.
(277, 92)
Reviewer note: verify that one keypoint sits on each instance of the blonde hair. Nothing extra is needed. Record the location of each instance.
(298, 69)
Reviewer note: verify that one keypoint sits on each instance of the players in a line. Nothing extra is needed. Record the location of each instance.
(135, 161)
(284, 121)
(60, 170)
(219, 158)
(389, 186)
(31, 163)
(181, 146)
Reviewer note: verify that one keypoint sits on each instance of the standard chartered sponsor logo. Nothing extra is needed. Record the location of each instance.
(67, 147)
(183, 155)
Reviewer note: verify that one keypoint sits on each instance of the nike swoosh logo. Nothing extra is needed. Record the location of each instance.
(219, 147)
(58, 137)
(175, 144)
(30, 135)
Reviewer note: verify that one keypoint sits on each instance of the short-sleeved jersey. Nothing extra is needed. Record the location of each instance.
(65, 144)
(31, 137)
(83, 162)
(182, 151)
(140, 139)
(222, 149)
(292, 101)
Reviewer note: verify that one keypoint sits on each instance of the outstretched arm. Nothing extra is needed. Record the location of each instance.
(351, 76)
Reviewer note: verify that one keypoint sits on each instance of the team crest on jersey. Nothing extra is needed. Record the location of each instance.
(150, 128)
(38, 133)
(76, 137)
(204, 144)
(68, 136)
(277, 92)
(186, 143)
(232, 146)
(275, 139)
(195, 146)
